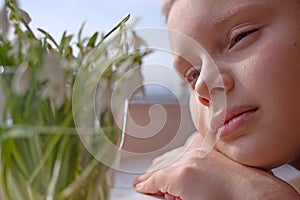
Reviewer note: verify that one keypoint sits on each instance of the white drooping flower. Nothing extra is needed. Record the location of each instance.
(103, 97)
(4, 23)
(25, 16)
(138, 42)
(130, 83)
(21, 47)
(53, 74)
(21, 80)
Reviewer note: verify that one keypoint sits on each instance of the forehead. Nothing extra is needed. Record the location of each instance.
(186, 14)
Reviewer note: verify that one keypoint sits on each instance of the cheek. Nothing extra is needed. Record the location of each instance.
(273, 72)
(270, 78)
(280, 82)
(199, 114)
(275, 60)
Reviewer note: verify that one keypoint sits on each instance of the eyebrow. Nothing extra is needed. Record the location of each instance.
(177, 63)
(234, 12)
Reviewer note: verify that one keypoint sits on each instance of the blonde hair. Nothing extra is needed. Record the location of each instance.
(166, 7)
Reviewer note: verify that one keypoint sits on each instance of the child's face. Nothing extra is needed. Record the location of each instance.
(256, 46)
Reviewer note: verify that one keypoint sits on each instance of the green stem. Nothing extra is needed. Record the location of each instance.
(48, 151)
(75, 186)
(56, 170)
(16, 154)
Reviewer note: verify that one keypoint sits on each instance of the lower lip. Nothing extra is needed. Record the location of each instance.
(230, 127)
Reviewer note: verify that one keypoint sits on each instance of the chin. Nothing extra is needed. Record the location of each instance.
(261, 160)
(262, 164)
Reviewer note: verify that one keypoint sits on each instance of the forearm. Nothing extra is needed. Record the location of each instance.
(277, 191)
(263, 187)
(258, 185)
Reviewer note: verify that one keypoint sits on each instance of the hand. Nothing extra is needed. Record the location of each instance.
(187, 178)
(194, 141)
(213, 177)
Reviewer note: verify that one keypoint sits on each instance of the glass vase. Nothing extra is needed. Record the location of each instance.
(38, 163)
(43, 156)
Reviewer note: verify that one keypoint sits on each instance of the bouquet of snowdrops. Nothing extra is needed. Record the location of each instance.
(48, 142)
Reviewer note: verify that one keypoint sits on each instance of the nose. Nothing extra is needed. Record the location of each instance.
(207, 87)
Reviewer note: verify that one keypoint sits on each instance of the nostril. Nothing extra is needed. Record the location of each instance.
(204, 101)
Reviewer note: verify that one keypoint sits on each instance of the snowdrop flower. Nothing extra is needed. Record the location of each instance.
(4, 23)
(114, 46)
(95, 58)
(123, 68)
(129, 83)
(53, 73)
(25, 16)
(138, 42)
(133, 23)
(21, 80)
(103, 97)
(20, 47)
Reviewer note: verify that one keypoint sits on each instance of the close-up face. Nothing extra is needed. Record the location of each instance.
(256, 48)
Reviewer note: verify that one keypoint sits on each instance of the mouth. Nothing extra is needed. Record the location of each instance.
(234, 119)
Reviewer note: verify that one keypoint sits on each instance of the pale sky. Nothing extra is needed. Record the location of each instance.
(56, 16)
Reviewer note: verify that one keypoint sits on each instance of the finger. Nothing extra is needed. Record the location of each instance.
(146, 188)
(152, 185)
(159, 194)
(169, 196)
(141, 178)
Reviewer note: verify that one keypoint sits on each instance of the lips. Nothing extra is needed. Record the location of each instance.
(227, 121)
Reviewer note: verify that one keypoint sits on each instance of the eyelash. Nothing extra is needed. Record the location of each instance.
(240, 37)
(192, 75)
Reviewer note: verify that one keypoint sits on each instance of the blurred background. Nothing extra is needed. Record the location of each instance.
(100, 15)
(165, 88)
(57, 16)
(165, 106)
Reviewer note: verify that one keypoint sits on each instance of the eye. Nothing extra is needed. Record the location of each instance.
(192, 75)
(240, 36)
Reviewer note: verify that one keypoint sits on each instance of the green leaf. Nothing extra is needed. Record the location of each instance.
(64, 47)
(80, 42)
(115, 28)
(48, 36)
(92, 40)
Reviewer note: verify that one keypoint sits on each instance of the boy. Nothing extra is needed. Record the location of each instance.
(255, 45)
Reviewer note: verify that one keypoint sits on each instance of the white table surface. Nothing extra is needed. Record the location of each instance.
(121, 186)
(123, 190)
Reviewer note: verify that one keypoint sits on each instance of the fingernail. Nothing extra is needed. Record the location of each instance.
(139, 186)
(135, 181)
